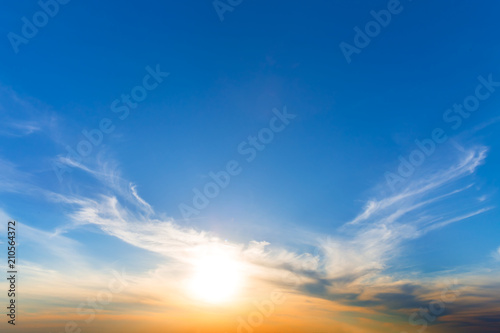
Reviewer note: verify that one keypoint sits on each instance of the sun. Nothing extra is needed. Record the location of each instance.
(216, 278)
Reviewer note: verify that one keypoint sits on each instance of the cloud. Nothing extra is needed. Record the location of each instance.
(419, 187)
(22, 116)
(348, 268)
(496, 254)
(19, 129)
(12, 179)
(372, 240)
(349, 265)
(362, 251)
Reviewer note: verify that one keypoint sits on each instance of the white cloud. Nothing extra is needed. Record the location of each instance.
(370, 241)
(22, 116)
(374, 237)
(420, 187)
(354, 256)
(496, 254)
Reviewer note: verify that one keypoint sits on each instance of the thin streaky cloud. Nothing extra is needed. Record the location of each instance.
(457, 219)
(468, 165)
(362, 255)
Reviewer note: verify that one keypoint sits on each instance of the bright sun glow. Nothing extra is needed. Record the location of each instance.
(216, 278)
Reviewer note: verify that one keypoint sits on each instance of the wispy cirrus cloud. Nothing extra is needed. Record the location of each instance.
(22, 116)
(496, 254)
(421, 187)
(19, 128)
(369, 242)
(348, 268)
(374, 237)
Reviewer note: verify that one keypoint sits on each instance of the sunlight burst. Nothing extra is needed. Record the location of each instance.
(216, 278)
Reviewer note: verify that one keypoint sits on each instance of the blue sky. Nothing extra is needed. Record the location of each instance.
(227, 79)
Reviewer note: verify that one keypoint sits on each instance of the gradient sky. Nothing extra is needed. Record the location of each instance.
(319, 212)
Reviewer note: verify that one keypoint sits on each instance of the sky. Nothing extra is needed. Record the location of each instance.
(251, 166)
